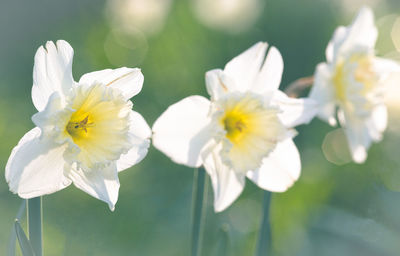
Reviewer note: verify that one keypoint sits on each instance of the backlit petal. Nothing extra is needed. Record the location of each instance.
(323, 93)
(227, 184)
(52, 72)
(35, 166)
(357, 135)
(270, 75)
(294, 111)
(362, 32)
(139, 134)
(385, 67)
(183, 129)
(377, 123)
(218, 84)
(52, 119)
(244, 68)
(333, 46)
(128, 80)
(102, 184)
(280, 169)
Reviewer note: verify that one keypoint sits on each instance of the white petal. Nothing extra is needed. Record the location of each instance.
(327, 113)
(323, 93)
(140, 134)
(102, 184)
(244, 68)
(42, 118)
(362, 33)
(338, 37)
(128, 80)
(218, 84)
(294, 111)
(385, 67)
(362, 131)
(227, 184)
(35, 167)
(358, 151)
(53, 119)
(357, 133)
(280, 169)
(270, 75)
(183, 129)
(377, 122)
(52, 72)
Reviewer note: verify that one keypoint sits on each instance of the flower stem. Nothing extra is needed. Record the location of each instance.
(296, 88)
(264, 237)
(34, 211)
(199, 201)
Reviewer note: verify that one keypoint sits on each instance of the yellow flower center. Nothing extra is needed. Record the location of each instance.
(339, 82)
(100, 124)
(358, 68)
(252, 128)
(235, 125)
(80, 128)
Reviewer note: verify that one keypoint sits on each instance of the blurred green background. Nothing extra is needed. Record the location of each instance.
(336, 207)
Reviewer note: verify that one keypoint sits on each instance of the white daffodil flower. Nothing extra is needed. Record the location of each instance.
(353, 82)
(245, 130)
(86, 131)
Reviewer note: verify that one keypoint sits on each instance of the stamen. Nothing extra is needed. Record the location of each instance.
(233, 125)
(74, 127)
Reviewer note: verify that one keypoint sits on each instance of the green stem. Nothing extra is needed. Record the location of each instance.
(34, 211)
(198, 208)
(264, 237)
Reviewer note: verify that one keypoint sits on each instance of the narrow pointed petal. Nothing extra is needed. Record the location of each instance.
(333, 46)
(183, 130)
(294, 111)
(128, 80)
(280, 169)
(227, 184)
(270, 75)
(102, 184)
(35, 167)
(244, 68)
(52, 72)
(362, 33)
(140, 134)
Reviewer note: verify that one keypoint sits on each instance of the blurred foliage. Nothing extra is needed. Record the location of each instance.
(332, 210)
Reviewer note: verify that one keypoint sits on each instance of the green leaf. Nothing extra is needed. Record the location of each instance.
(13, 235)
(24, 243)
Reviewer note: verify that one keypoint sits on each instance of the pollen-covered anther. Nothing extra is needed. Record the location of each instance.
(73, 127)
(234, 126)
